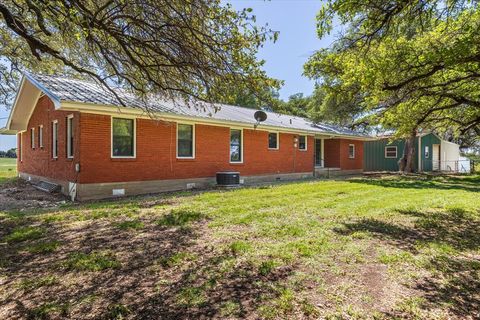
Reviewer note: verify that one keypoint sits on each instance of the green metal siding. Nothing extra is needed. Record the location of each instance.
(428, 140)
(374, 154)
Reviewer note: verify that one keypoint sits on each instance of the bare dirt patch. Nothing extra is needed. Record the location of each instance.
(18, 194)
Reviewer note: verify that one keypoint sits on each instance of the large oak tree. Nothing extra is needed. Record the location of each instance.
(406, 66)
(172, 48)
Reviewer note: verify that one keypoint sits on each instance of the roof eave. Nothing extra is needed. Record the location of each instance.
(5, 131)
(56, 101)
(90, 107)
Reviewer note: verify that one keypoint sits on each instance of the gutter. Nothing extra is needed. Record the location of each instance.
(107, 109)
(5, 131)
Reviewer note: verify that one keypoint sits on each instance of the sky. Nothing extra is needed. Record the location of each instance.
(295, 20)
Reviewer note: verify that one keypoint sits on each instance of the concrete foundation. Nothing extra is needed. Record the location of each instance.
(335, 172)
(95, 191)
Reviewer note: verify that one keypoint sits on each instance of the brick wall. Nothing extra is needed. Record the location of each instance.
(156, 153)
(331, 152)
(39, 161)
(336, 154)
(351, 164)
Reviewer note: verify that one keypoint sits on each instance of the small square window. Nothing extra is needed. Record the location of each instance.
(391, 152)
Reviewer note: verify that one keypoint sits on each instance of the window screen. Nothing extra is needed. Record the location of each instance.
(302, 142)
(185, 141)
(235, 145)
(123, 137)
(273, 140)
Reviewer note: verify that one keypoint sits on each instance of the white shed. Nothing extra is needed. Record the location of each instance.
(449, 156)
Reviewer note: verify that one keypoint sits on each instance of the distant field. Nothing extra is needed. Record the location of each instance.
(8, 168)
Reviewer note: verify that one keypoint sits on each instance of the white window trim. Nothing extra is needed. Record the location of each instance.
(396, 152)
(241, 145)
(32, 137)
(278, 140)
(193, 140)
(134, 137)
(69, 129)
(354, 151)
(55, 139)
(427, 152)
(40, 136)
(306, 142)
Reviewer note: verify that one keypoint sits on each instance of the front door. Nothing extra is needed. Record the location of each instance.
(435, 157)
(318, 153)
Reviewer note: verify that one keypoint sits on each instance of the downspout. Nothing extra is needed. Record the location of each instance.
(420, 153)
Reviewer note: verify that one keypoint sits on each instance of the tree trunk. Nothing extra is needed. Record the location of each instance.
(405, 164)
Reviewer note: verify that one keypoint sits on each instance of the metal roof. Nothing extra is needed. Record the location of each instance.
(62, 89)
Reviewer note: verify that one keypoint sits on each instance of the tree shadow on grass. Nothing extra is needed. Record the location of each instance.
(164, 271)
(468, 183)
(453, 234)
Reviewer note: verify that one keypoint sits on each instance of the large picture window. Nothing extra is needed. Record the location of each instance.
(70, 136)
(185, 141)
(236, 145)
(123, 138)
(273, 140)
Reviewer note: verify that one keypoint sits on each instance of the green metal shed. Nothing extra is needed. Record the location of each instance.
(383, 154)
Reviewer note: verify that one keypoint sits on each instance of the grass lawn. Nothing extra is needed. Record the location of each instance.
(8, 168)
(388, 247)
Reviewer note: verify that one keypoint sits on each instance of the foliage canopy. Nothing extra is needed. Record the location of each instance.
(173, 48)
(403, 65)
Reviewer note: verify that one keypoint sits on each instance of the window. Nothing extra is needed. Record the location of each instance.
(185, 141)
(55, 139)
(40, 136)
(32, 137)
(273, 140)
(302, 142)
(123, 138)
(427, 152)
(70, 136)
(351, 151)
(20, 146)
(235, 145)
(391, 152)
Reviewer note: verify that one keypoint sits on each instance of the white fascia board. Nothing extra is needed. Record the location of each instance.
(56, 101)
(116, 110)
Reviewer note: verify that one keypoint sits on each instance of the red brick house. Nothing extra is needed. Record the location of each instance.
(76, 134)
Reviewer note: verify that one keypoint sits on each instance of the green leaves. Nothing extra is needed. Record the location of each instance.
(176, 49)
(401, 65)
